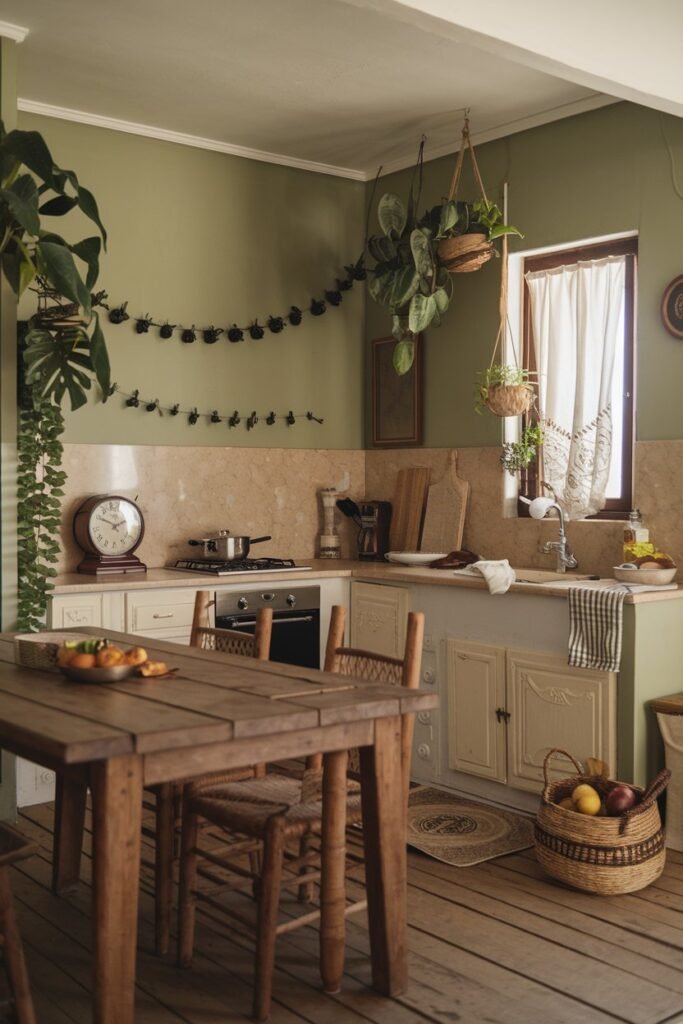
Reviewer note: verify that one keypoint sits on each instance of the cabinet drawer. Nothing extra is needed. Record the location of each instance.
(67, 612)
(169, 609)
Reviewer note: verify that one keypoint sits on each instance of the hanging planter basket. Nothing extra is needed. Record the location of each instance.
(510, 399)
(464, 253)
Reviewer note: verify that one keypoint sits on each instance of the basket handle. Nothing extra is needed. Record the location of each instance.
(546, 759)
(655, 789)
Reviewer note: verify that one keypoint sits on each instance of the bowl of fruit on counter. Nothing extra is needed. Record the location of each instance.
(100, 661)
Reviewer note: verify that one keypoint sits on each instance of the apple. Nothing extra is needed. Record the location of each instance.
(620, 799)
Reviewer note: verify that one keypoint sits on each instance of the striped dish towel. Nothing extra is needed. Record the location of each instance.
(595, 627)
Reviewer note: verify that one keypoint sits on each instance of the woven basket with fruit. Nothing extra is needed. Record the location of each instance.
(599, 835)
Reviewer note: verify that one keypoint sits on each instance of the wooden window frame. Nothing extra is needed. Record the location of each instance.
(615, 508)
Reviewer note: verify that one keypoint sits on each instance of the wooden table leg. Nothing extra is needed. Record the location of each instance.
(384, 837)
(333, 867)
(70, 799)
(117, 813)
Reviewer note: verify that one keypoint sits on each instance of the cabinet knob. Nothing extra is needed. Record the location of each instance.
(502, 715)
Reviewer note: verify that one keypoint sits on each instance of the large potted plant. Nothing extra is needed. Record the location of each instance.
(61, 348)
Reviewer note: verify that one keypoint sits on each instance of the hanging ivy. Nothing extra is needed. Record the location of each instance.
(40, 482)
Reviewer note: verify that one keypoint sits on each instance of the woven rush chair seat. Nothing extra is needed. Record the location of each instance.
(250, 806)
(277, 811)
(13, 848)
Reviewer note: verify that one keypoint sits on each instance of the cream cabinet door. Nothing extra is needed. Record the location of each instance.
(378, 618)
(476, 692)
(555, 706)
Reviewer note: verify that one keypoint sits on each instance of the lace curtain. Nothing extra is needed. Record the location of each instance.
(577, 314)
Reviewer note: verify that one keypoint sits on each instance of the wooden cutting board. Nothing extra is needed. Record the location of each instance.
(446, 508)
(410, 497)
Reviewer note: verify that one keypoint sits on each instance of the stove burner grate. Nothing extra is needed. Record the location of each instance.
(219, 567)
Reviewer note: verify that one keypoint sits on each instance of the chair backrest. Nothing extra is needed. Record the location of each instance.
(379, 668)
(230, 641)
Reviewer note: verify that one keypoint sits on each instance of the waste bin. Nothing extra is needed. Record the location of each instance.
(669, 711)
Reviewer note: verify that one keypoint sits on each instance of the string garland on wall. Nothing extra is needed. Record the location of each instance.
(133, 400)
(254, 330)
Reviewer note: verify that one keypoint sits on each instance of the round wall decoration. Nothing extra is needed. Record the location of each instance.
(672, 307)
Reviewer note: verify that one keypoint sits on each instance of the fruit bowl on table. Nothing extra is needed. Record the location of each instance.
(639, 574)
(111, 674)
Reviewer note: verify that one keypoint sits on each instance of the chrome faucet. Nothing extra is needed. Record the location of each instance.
(538, 509)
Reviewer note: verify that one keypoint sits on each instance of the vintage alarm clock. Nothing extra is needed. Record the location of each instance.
(108, 529)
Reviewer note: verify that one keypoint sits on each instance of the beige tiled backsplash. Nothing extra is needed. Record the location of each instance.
(188, 492)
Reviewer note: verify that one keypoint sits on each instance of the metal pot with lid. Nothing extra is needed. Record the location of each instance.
(227, 547)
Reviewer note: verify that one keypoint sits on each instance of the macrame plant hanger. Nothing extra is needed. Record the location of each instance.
(507, 399)
(462, 254)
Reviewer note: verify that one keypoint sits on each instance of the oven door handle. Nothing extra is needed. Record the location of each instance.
(276, 622)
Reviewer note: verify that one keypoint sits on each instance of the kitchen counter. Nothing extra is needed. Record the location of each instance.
(321, 568)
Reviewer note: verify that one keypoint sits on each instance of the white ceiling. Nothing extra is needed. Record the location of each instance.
(346, 84)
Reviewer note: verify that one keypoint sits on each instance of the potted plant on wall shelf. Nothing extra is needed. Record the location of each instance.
(60, 349)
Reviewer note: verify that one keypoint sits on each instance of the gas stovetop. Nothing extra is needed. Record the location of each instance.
(218, 567)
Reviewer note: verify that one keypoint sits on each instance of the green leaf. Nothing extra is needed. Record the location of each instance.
(448, 219)
(88, 250)
(421, 313)
(58, 206)
(88, 205)
(100, 359)
(442, 299)
(403, 285)
(391, 214)
(382, 249)
(22, 199)
(403, 356)
(51, 368)
(422, 254)
(504, 229)
(31, 150)
(60, 270)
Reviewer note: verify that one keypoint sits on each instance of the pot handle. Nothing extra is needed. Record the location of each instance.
(258, 540)
(196, 543)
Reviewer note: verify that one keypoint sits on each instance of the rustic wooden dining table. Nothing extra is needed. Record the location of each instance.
(217, 711)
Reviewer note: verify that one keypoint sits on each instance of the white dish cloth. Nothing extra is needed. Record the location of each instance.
(499, 575)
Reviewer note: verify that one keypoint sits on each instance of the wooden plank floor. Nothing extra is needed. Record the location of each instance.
(492, 944)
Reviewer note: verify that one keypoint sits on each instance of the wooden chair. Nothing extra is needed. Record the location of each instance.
(13, 848)
(168, 796)
(278, 809)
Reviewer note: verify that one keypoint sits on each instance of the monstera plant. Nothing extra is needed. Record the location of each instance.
(61, 348)
(64, 346)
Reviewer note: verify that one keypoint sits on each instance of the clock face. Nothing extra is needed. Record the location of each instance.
(115, 526)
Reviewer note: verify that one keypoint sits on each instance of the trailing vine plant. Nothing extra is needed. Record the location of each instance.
(61, 349)
(40, 480)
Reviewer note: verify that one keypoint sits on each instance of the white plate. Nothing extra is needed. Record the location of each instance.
(413, 557)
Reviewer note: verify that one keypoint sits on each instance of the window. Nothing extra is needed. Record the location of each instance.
(578, 321)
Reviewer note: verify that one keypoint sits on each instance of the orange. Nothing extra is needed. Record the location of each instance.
(64, 655)
(154, 668)
(108, 657)
(82, 661)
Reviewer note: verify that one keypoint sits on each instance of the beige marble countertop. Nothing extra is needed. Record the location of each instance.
(71, 583)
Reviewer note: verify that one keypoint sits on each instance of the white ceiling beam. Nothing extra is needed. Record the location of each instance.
(624, 48)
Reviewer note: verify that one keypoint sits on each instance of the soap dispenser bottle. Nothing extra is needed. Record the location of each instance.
(636, 537)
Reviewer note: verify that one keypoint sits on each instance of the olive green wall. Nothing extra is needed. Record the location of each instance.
(595, 174)
(202, 237)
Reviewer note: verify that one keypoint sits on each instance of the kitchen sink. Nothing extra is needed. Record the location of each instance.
(548, 576)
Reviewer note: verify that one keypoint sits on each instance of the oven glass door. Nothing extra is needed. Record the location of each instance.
(295, 638)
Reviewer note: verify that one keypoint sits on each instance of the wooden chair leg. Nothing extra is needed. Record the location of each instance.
(188, 881)
(307, 890)
(333, 864)
(163, 865)
(269, 901)
(70, 799)
(13, 952)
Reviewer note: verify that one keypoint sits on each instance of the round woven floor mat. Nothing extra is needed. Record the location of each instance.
(463, 832)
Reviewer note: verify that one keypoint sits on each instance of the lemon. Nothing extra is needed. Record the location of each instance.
(583, 790)
(588, 803)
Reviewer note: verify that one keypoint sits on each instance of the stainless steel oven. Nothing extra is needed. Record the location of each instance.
(296, 620)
